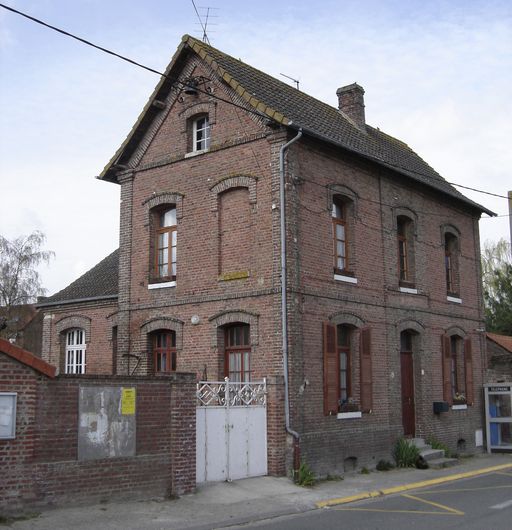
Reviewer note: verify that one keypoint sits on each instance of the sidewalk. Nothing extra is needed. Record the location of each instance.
(224, 504)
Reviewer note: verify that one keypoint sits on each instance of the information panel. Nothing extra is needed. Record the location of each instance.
(107, 422)
(7, 415)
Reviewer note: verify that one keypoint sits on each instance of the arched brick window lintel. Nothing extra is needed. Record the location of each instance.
(200, 108)
(170, 323)
(74, 321)
(455, 330)
(166, 197)
(232, 317)
(404, 211)
(345, 194)
(226, 183)
(410, 325)
(451, 229)
(347, 318)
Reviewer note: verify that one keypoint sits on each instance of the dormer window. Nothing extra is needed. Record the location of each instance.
(201, 133)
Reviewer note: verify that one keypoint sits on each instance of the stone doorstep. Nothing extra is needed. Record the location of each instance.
(428, 454)
(440, 463)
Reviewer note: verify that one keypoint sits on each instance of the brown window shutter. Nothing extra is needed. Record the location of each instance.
(468, 364)
(366, 390)
(331, 371)
(447, 369)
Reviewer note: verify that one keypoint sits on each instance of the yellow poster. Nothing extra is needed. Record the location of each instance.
(128, 401)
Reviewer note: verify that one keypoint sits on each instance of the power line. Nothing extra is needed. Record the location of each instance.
(479, 191)
(175, 81)
(128, 60)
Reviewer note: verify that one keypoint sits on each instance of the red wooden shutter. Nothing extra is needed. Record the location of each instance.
(468, 363)
(331, 372)
(447, 368)
(366, 390)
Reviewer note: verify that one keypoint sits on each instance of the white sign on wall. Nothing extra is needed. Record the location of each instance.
(7, 415)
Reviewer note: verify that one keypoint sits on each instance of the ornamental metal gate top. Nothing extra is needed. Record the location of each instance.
(231, 394)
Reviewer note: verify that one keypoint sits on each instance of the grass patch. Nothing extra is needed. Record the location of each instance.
(384, 465)
(405, 453)
(436, 444)
(8, 520)
(305, 477)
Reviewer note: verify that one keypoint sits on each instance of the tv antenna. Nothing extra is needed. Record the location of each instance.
(207, 16)
(296, 81)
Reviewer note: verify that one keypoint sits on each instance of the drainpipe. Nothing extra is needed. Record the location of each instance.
(284, 319)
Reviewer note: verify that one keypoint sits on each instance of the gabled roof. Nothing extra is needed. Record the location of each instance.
(27, 358)
(100, 282)
(504, 341)
(294, 109)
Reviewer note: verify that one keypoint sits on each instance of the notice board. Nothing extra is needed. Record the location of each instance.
(107, 424)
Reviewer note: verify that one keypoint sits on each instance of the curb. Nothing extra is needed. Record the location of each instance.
(411, 486)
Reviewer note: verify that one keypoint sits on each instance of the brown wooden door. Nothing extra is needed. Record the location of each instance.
(407, 373)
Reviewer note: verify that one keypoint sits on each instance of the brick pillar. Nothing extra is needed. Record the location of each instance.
(125, 252)
(276, 433)
(183, 434)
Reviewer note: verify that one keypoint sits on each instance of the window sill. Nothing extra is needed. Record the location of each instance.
(459, 407)
(196, 153)
(161, 285)
(408, 290)
(454, 299)
(343, 278)
(349, 415)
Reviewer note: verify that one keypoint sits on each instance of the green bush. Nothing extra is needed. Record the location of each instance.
(405, 453)
(305, 476)
(384, 465)
(436, 444)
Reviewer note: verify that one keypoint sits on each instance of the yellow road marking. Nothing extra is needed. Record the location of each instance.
(419, 512)
(436, 504)
(458, 490)
(411, 486)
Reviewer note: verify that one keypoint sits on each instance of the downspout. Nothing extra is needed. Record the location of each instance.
(284, 312)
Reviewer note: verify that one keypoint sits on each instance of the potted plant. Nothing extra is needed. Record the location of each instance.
(459, 398)
(349, 405)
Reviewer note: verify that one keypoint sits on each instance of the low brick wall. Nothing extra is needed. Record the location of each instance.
(40, 467)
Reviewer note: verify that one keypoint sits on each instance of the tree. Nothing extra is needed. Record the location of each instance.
(20, 283)
(497, 281)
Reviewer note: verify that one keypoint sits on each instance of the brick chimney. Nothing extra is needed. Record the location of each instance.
(351, 102)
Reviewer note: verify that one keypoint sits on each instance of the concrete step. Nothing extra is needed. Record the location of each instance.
(418, 442)
(439, 463)
(429, 454)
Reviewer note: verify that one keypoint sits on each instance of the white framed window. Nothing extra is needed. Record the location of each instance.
(75, 351)
(201, 134)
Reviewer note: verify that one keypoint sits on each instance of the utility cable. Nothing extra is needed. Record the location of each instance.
(174, 82)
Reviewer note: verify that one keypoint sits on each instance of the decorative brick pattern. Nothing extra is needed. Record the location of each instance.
(164, 197)
(226, 183)
(74, 321)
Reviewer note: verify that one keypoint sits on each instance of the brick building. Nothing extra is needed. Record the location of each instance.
(383, 302)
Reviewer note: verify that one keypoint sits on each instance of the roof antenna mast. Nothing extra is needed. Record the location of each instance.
(296, 81)
(204, 25)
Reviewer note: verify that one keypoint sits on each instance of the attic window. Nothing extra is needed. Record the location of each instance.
(201, 133)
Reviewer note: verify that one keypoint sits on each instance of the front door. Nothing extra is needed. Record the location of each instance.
(407, 377)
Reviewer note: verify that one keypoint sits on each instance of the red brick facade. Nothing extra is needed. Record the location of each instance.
(228, 271)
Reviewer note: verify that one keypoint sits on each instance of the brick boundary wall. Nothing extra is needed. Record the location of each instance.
(40, 467)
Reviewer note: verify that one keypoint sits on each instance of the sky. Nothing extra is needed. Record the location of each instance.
(436, 74)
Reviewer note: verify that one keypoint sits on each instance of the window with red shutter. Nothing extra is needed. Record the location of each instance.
(331, 371)
(468, 364)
